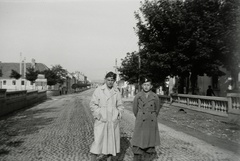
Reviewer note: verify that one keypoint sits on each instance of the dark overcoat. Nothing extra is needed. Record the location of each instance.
(146, 110)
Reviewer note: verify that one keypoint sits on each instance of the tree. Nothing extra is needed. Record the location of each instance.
(137, 65)
(74, 86)
(51, 77)
(160, 28)
(201, 39)
(230, 37)
(60, 73)
(1, 73)
(158, 34)
(31, 74)
(179, 36)
(55, 75)
(129, 68)
(15, 74)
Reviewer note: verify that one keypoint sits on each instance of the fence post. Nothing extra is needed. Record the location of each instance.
(213, 105)
(199, 103)
(232, 110)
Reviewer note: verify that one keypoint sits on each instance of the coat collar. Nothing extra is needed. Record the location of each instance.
(113, 91)
(150, 96)
(104, 87)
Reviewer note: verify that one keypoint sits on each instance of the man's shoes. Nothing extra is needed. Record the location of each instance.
(137, 157)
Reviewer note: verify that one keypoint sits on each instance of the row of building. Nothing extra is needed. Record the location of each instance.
(12, 84)
(220, 85)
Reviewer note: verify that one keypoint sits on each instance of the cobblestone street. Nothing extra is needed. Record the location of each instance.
(60, 129)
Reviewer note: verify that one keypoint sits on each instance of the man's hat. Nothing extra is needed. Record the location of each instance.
(146, 79)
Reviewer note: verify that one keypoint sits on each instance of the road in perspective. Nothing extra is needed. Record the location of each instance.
(61, 129)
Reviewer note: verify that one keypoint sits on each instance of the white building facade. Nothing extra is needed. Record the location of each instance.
(12, 84)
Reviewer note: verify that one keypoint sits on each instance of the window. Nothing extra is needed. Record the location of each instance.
(13, 82)
(22, 83)
(31, 83)
(4, 82)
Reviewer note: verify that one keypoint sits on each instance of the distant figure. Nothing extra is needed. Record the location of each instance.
(60, 90)
(210, 91)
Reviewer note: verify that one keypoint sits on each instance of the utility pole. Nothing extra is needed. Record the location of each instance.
(24, 68)
(24, 73)
(116, 70)
(20, 70)
(139, 68)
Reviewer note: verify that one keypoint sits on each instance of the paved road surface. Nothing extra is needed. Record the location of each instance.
(60, 129)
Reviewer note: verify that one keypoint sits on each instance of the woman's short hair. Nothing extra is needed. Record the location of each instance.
(111, 74)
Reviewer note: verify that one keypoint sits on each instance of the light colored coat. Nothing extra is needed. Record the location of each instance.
(146, 111)
(106, 106)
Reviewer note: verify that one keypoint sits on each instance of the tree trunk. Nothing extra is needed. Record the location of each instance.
(187, 85)
(193, 79)
(181, 85)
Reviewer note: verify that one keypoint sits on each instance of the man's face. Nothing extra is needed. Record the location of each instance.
(147, 86)
(109, 82)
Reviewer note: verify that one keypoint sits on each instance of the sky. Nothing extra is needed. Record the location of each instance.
(80, 35)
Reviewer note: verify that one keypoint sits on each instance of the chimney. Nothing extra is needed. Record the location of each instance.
(24, 69)
(33, 63)
(20, 68)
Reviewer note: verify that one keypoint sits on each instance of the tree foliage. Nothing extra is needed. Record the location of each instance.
(80, 85)
(129, 69)
(137, 65)
(50, 76)
(55, 75)
(60, 73)
(186, 38)
(74, 86)
(230, 36)
(31, 74)
(15, 74)
(1, 73)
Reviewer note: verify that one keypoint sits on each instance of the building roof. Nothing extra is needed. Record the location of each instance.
(8, 67)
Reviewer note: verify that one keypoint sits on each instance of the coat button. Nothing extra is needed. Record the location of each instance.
(143, 120)
(143, 113)
(152, 120)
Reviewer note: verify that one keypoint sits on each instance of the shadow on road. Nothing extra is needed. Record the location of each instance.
(21, 123)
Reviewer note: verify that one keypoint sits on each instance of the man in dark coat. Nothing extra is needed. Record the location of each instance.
(146, 108)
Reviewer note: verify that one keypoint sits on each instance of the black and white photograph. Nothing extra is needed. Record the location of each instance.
(119, 80)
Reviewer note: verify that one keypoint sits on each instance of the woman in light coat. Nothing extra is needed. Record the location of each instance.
(106, 106)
